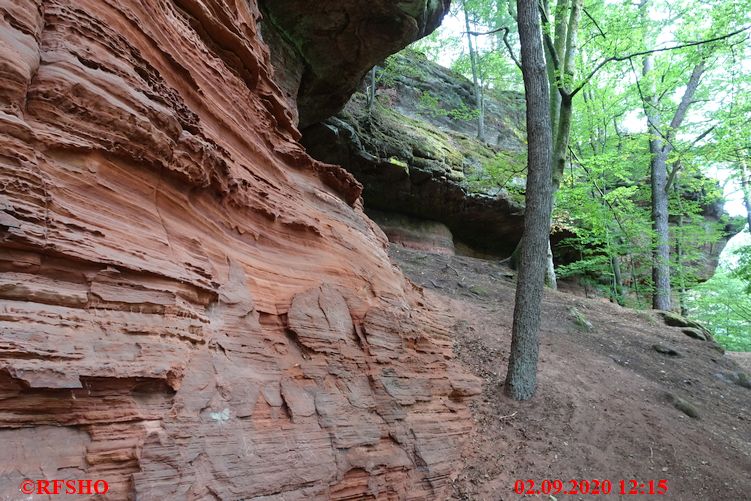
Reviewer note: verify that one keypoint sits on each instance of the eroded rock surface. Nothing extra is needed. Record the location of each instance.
(416, 153)
(190, 306)
(413, 233)
(324, 48)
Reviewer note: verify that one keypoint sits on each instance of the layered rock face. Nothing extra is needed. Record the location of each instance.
(416, 154)
(190, 306)
(413, 233)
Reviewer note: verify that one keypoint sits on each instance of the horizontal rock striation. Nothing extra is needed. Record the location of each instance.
(412, 233)
(190, 306)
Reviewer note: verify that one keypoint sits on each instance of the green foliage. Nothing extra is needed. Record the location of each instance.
(723, 305)
(395, 67)
(742, 270)
(503, 172)
(603, 205)
(432, 104)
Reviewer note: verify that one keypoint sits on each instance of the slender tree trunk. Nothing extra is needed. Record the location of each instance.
(521, 380)
(475, 77)
(617, 279)
(746, 191)
(679, 248)
(561, 105)
(681, 278)
(615, 266)
(659, 151)
(658, 180)
(372, 89)
(635, 282)
(550, 278)
(661, 252)
(567, 51)
(559, 43)
(561, 145)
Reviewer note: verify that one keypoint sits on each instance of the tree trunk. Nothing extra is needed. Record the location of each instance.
(617, 280)
(659, 152)
(521, 380)
(661, 252)
(635, 283)
(559, 41)
(658, 180)
(746, 191)
(679, 248)
(567, 53)
(561, 106)
(550, 278)
(475, 77)
(681, 278)
(561, 145)
(372, 89)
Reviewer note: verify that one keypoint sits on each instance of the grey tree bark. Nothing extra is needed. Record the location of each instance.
(372, 90)
(659, 150)
(617, 280)
(475, 77)
(521, 379)
(561, 58)
(746, 191)
(658, 181)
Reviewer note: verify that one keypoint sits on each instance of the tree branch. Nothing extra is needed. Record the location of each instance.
(677, 163)
(703, 135)
(482, 33)
(510, 50)
(646, 103)
(595, 23)
(687, 98)
(671, 177)
(653, 51)
(556, 60)
(505, 30)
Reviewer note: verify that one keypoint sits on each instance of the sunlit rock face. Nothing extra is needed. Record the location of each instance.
(190, 306)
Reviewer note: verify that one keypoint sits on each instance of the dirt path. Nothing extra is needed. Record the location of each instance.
(604, 408)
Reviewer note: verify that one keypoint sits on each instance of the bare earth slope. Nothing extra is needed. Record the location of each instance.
(602, 410)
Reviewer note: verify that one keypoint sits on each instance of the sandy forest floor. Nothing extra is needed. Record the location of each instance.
(604, 407)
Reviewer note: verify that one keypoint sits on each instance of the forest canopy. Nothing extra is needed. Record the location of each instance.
(650, 104)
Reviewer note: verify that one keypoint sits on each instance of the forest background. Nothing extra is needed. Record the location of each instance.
(651, 117)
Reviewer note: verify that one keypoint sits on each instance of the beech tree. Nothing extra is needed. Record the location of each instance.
(475, 74)
(521, 380)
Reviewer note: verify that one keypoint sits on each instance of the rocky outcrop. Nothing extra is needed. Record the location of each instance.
(716, 223)
(322, 49)
(412, 233)
(190, 306)
(415, 153)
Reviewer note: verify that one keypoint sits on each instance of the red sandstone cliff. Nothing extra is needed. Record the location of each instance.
(191, 307)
